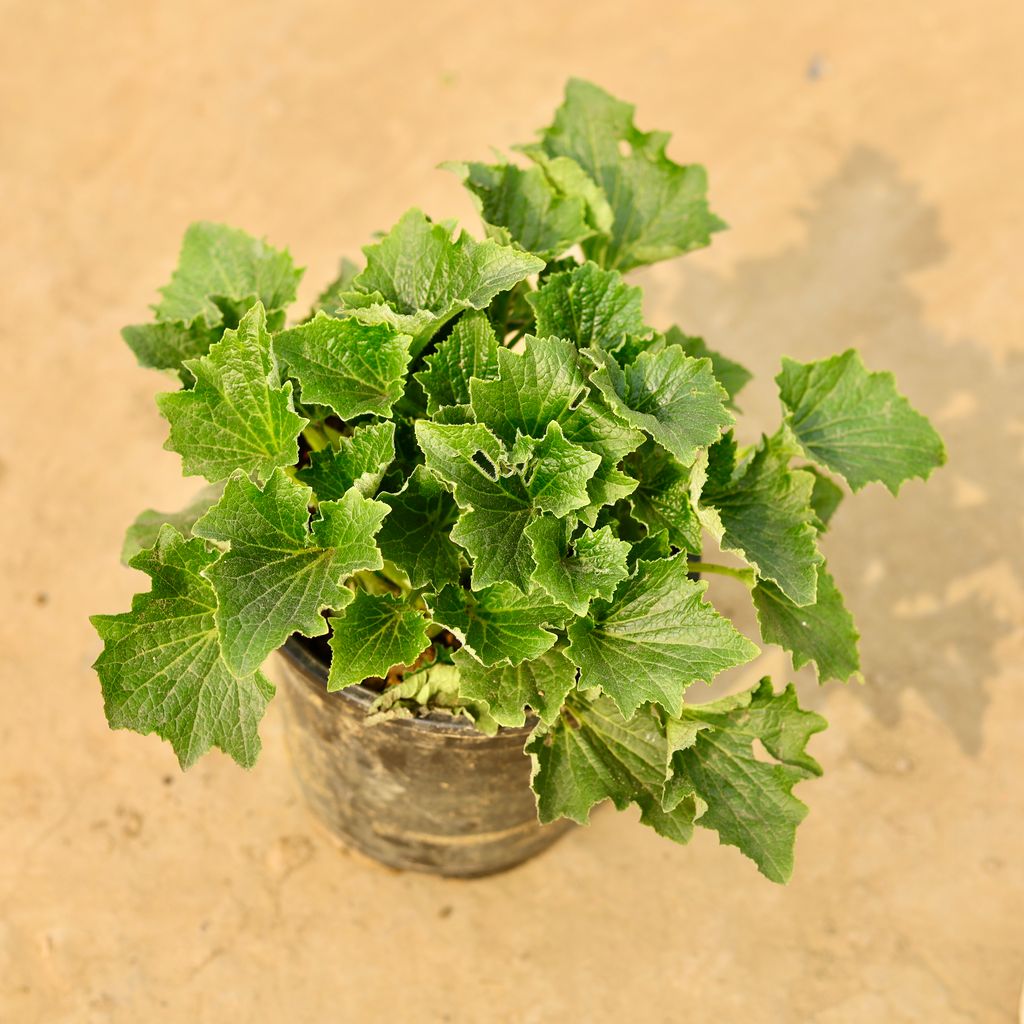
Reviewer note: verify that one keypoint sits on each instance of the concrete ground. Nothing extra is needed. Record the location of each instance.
(869, 158)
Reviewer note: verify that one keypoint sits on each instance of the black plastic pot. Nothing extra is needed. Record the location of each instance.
(422, 794)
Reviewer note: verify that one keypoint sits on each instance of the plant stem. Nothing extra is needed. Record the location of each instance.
(745, 576)
(315, 437)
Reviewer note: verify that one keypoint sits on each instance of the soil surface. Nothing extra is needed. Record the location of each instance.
(869, 159)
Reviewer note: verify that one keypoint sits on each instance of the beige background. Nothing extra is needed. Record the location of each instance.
(869, 158)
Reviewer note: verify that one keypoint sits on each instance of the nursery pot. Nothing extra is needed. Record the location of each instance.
(422, 794)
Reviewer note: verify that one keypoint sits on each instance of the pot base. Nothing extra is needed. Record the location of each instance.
(418, 794)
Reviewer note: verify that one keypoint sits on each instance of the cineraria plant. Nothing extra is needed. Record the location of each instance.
(489, 480)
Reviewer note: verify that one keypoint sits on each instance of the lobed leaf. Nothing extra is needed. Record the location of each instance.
(359, 461)
(471, 350)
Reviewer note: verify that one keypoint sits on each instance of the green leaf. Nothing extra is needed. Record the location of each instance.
(526, 206)
(766, 518)
(544, 384)
(219, 262)
(856, 423)
(144, 531)
(661, 500)
(731, 375)
(471, 350)
(433, 690)
(281, 572)
(674, 398)
(660, 207)
(591, 307)
(354, 368)
(825, 498)
(748, 801)
(555, 471)
(161, 667)
(591, 753)
(358, 461)
(167, 345)
(239, 415)
(415, 534)
(576, 569)
(419, 276)
(332, 298)
(372, 635)
(540, 685)
(499, 623)
(822, 632)
(496, 507)
(571, 180)
(654, 638)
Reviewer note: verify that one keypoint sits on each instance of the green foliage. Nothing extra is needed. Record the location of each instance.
(478, 468)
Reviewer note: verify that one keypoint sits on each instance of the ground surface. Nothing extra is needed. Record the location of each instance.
(869, 159)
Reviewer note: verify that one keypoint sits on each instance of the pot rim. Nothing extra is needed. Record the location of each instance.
(304, 661)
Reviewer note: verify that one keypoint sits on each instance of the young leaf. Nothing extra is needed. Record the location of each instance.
(856, 423)
(161, 667)
(731, 375)
(220, 262)
(167, 345)
(822, 632)
(540, 684)
(144, 531)
(499, 623)
(671, 396)
(661, 500)
(429, 691)
(748, 801)
(496, 507)
(471, 350)
(555, 471)
(825, 498)
(354, 368)
(371, 635)
(654, 638)
(546, 383)
(358, 461)
(659, 206)
(416, 533)
(765, 517)
(591, 753)
(332, 298)
(590, 307)
(239, 415)
(575, 570)
(526, 206)
(280, 571)
(419, 276)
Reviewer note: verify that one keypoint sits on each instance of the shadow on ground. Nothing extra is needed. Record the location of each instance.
(933, 579)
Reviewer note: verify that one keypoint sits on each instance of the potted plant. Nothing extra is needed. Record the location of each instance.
(468, 496)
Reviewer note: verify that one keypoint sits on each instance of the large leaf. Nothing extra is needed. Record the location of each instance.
(527, 206)
(416, 533)
(856, 423)
(161, 667)
(354, 368)
(280, 571)
(546, 383)
(764, 515)
(574, 569)
(591, 753)
(499, 624)
(822, 632)
(539, 684)
(239, 415)
(591, 307)
(359, 461)
(471, 350)
(419, 276)
(373, 634)
(745, 798)
(673, 397)
(660, 207)
(654, 638)
(218, 262)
